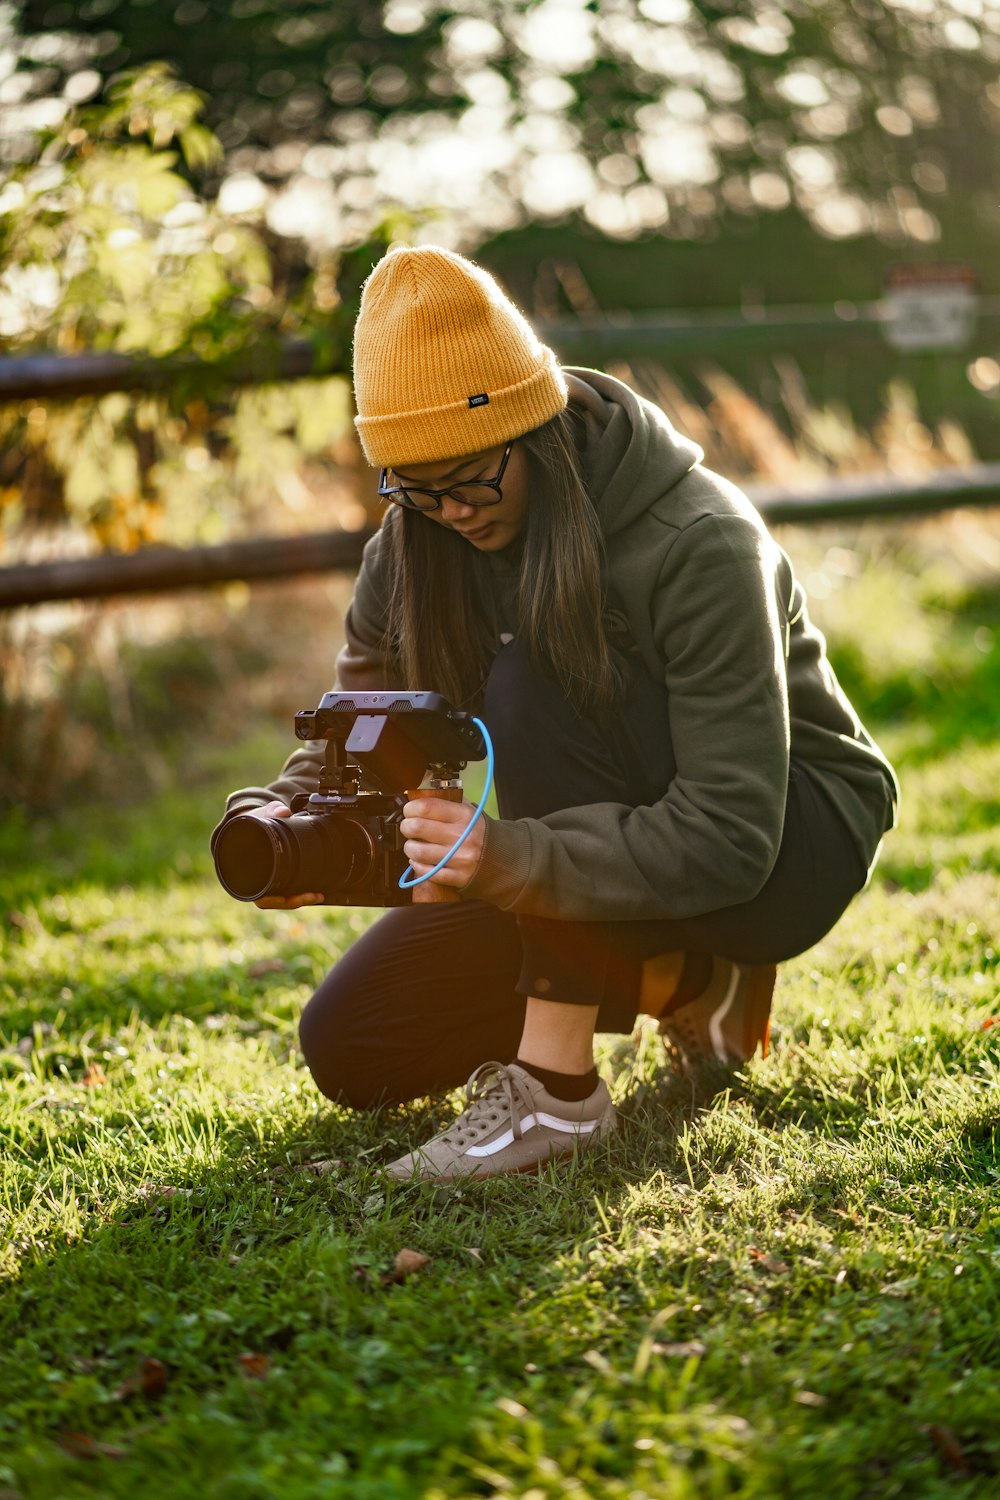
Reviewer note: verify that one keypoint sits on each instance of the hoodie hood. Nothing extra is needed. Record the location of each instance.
(633, 454)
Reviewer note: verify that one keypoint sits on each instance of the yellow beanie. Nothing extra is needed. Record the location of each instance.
(444, 364)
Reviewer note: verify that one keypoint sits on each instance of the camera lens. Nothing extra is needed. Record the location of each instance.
(257, 857)
(248, 857)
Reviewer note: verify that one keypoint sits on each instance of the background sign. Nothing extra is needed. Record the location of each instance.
(930, 306)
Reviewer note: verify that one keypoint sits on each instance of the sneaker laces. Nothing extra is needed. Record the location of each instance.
(494, 1095)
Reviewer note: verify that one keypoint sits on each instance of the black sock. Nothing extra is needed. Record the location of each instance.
(569, 1087)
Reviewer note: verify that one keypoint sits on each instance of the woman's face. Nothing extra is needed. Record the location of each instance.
(488, 528)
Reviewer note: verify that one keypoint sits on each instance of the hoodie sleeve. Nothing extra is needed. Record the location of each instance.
(361, 667)
(712, 840)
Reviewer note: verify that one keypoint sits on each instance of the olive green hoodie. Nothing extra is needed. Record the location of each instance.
(717, 615)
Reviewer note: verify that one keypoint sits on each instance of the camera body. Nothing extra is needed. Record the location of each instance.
(343, 839)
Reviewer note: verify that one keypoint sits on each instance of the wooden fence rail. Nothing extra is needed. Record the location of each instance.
(159, 569)
(707, 331)
(57, 377)
(165, 569)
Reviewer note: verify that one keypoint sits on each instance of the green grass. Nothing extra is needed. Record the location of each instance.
(788, 1288)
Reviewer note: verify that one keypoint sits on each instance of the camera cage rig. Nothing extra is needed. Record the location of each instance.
(348, 843)
(393, 739)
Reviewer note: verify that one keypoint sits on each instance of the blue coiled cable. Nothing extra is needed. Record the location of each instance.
(404, 883)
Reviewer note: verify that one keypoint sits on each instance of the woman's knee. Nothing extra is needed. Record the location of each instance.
(391, 1020)
(329, 1044)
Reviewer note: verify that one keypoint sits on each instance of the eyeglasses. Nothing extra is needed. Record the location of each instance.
(469, 492)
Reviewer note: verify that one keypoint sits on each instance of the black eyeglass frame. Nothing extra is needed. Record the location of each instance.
(401, 494)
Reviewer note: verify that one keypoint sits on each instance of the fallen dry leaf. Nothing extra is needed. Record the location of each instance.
(79, 1445)
(475, 1252)
(407, 1263)
(255, 1366)
(154, 1377)
(685, 1350)
(93, 1077)
(149, 1380)
(949, 1447)
(767, 1262)
(323, 1168)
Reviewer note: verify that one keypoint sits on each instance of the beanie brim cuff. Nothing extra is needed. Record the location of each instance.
(439, 432)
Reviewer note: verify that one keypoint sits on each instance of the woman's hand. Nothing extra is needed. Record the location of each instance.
(430, 826)
(283, 903)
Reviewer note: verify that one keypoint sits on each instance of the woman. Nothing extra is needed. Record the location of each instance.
(686, 796)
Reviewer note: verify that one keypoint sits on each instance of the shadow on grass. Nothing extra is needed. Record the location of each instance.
(265, 1285)
(272, 1255)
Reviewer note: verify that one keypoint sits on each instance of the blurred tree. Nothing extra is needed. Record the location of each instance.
(862, 117)
(105, 244)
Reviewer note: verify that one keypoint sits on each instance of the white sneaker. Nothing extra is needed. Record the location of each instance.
(510, 1124)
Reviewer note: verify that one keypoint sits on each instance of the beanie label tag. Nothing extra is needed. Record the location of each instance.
(481, 400)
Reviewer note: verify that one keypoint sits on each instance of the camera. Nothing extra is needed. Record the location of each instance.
(343, 839)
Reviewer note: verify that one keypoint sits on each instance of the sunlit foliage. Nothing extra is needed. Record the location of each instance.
(106, 245)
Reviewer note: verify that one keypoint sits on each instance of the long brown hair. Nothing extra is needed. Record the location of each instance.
(438, 633)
